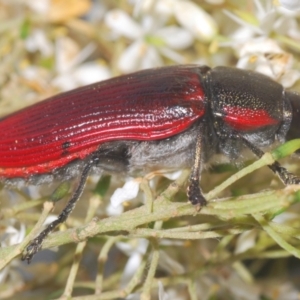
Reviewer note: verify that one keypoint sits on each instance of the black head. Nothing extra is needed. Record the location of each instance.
(294, 131)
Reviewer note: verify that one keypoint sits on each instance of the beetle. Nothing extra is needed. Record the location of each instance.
(170, 117)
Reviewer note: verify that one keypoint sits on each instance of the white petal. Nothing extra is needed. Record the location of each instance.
(13, 235)
(39, 6)
(265, 56)
(289, 78)
(243, 23)
(172, 55)
(287, 26)
(137, 245)
(161, 8)
(31, 73)
(151, 58)
(162, 295)
(259, 45)
(130, 59)
(215, 1)
(3, 274)
(69, 55)
(150, 23)
(173, 175)
(135, 250)
(169, 264)
(38, 41)
(66, 50)
(285, 217)
(245, 241)
(84, 54)
(85, 74)
(239, 36)
(257, 62)
(261, 11)
(290, 4)
(130, 268)
(128, 192)
(141, 6)
(91, 72)
(21, 235)
(196, 20)
(64, 82)
(175, 37)
(97, 12)
(50, 219)
(114, 210)
(139, 55)
(123, 24)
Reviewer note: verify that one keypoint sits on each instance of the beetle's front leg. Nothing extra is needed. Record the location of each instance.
(285, 176)
(194, 192)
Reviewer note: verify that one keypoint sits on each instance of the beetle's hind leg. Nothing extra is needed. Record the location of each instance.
(35, 245)
(285, 176)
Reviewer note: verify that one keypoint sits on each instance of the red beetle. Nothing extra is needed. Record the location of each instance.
(170, 117)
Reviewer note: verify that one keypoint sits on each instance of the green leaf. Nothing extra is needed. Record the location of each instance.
(286, 149)
(25, 29)
(102, 185)
(61, 191)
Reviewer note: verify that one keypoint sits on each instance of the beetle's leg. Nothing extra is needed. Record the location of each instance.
(194, 191)
(35, 245)
(285, 176)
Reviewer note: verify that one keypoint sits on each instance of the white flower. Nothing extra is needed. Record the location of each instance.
(128, 192)
(135, 249)
(261, 23)
(258, 52)
(265, 56)
(13, 235)
(150, 40)
(130, 189)
(37, 41)
(265, 19)
(188, 14)
(72, 72)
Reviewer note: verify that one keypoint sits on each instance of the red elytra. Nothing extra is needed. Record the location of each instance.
(143, 106)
